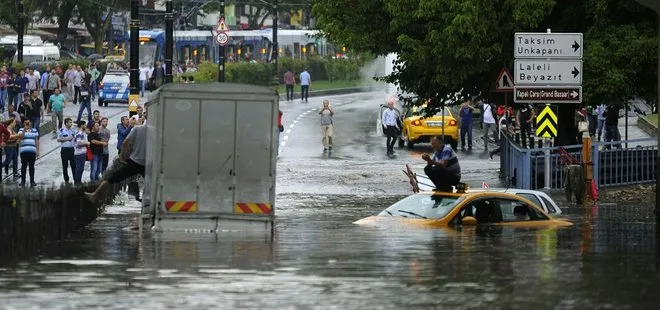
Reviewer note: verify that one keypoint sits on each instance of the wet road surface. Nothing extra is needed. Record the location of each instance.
(317, 259)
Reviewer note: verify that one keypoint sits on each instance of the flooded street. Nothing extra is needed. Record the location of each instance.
(317, 259)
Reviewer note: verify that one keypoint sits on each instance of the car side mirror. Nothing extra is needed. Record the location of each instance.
(469, 221)
(382, 105)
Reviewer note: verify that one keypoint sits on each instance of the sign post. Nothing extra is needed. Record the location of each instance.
(133, 101)
(548, 69)
(222, 38)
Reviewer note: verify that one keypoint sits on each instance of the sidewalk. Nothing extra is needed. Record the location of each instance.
(48, 167)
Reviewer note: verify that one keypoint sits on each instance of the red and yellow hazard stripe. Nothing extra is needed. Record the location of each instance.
(253, 208)
(181, 206)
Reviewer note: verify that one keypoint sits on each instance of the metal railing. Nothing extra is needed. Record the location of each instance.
(613, 165)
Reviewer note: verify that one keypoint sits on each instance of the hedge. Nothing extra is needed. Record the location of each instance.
(262, 73)
(259, 73)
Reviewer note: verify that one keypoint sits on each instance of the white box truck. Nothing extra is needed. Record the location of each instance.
(211, 158)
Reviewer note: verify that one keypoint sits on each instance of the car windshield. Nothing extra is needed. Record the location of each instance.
(423, 206)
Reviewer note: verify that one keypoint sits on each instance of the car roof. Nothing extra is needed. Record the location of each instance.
(483, 194)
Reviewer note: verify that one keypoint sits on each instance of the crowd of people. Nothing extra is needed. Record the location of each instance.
(28, 96)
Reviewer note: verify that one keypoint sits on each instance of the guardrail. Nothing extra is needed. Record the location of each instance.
(542, 167)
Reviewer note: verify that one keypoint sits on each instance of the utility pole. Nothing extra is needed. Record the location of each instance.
(221, 65)
(169, 40)
(21, 30)
(276, 49)
(133, 97)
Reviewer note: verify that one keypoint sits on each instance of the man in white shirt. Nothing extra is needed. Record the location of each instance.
(65, 136)
(489, 124)
(390, 123)
(305, 83)
(144, 77)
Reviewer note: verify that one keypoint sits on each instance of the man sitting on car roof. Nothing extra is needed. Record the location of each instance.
(443, 168)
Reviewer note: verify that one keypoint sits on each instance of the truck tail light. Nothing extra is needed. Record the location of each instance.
(417, 123)
(101, 85)
(452, 123)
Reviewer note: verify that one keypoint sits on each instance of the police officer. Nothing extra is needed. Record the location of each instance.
(65, 136)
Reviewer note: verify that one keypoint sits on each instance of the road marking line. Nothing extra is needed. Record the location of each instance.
(292, 125)
(295, 121)
(285, 138)
(288, 131)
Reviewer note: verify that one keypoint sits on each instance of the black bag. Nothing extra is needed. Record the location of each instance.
(281, 128)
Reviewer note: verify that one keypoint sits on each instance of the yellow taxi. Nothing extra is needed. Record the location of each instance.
(418, 128)
(441, 209)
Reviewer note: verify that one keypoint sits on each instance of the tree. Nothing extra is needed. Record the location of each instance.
(62, 11)
(458, 46)
(97, 19)
(9, 12)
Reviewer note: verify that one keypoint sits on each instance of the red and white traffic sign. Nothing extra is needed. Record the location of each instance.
(504, 81)
(222, 26)
(222, 38)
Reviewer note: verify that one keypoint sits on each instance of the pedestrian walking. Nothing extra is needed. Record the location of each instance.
(96, 145)
(4, 138)
(466, 114)
(290, 83)
(65, 137)
(326, 125)
(25, 109)
(123, 129)
(600, 111)
(29, 150)
(52, 83)
(80, 143)
(524, 119)
(5, 79)
(94, 78)
(105, 137)
(132, 161)
(78, 82)
(85, 103)
(56, 102)
(305, 84)
(10, 112)
(12, 91)
(144, 77)
(280, 129)
(390, 125)
(69, 77)
(593, 120)
(43, 79)
(37, 112)
(489, 124)
(33, 80)
(11, 148)
(21, 83)
(612, 126)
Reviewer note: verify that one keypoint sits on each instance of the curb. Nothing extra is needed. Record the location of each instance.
(645, 125)
(328, 92)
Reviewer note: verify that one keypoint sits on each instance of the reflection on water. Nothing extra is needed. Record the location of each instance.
(317, 259)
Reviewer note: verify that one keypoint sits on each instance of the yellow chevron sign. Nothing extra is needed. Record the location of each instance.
(546, 123)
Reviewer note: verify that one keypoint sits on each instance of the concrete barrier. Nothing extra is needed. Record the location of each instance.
(645, 125)
(29, 218)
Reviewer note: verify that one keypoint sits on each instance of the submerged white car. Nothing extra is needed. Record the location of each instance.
(538, 197)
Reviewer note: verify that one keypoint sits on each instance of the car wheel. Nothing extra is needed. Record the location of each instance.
(105, 103)
(100, 102)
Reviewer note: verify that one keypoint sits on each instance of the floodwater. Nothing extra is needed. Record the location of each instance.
(317, 259)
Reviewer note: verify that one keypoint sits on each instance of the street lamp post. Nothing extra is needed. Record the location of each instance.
(276, 49)
(221, 65)
(21, 30)
(655, 5)
(135, 51)
(169, 40)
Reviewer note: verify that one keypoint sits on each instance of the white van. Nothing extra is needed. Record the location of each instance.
(32, 53)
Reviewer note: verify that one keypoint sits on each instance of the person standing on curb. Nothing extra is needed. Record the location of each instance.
(326, 125)
(96, 144)
(466, 124)
(80, 153)
(69, 77)
(29, 150)
(37, 110)
(489, 124)
(105, 137)
(123, 129)
(11, 148)
(65, 136)
(305, 83)
(57, 104)
(86, 103)
(290, 82)
(391, 126)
